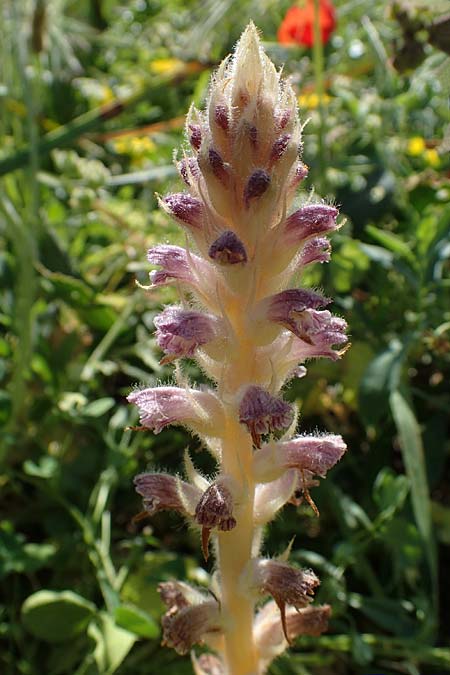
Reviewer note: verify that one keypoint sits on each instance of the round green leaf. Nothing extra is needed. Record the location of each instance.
(56, 616)
(136, 621)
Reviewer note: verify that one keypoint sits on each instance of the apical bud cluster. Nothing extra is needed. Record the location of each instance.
(249, 330)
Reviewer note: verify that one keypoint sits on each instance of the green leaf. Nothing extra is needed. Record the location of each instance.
(112, 643)
(56, 616)
(381, 377)
(413, 458)
(136, 621)
(98, 407)
(390, 491)
(392, 243)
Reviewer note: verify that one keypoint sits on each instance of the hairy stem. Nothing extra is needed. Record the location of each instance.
(235, 550)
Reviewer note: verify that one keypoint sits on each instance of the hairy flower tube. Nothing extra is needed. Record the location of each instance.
(243, 318)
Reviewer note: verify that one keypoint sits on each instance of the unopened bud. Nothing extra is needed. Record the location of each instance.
(257, 185)
(228, 249)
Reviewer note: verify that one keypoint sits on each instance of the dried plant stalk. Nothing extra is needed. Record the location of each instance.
(249, 331)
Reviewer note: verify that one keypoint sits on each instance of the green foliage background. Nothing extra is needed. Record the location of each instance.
(92, 99)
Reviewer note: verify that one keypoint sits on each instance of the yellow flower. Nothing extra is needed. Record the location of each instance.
(416, 146)
(432, 157)
(136, 146)
(166, 66)
(311, 101)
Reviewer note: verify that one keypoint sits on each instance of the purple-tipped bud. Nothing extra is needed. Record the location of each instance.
(301, 172)
(178, 264)
(279, 148)
(309, 221)
(163, 492)
(257, 185)
(207, 664)
(221, 117)
(315, 250)
(282, 117)
(228, 249)
(185, 627)
(263, 413)
(195, 136)
(185, 208)
(161, 406)
(286, 584)
(215, 510)
(188, 167)
(180, 331)
(218, 166)
(316, 454)
(253, 135)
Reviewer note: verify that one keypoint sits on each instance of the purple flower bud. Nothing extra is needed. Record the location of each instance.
(315, 250)
(279, 148)
(163, 492)
(286, 584)
(195, 136)
(215, 509)
(316, 454)
(285, 307)
(301, 171)
(188, 167)
(180, 331)
(282, 117)
(218, 166)
(228, 249)
(253, 135)
(257, 185)
(308, 221)
(263, 413)
(161, 406)
(185, 627)
(178, 264)
(221, 117)
(185, 208)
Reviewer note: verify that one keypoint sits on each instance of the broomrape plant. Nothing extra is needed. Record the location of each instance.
(249, 332)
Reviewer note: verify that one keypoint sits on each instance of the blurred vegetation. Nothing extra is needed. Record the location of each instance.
(92, 103)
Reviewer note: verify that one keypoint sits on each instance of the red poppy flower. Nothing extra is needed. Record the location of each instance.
(298, 24)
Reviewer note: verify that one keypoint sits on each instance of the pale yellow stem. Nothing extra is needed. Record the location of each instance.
(234, 554)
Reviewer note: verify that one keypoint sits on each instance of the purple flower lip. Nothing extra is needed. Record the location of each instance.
(315, 250)
(286, 584)
(185, 208)
(314, 454)
(269, 635)
(215, 510)
(257, 185)
(263, 413)
(180, 331)
(162, 406)
(190, 616)
(228, 249)
(286, 307)
(308, 221)
(178, 265)
(163, 492)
